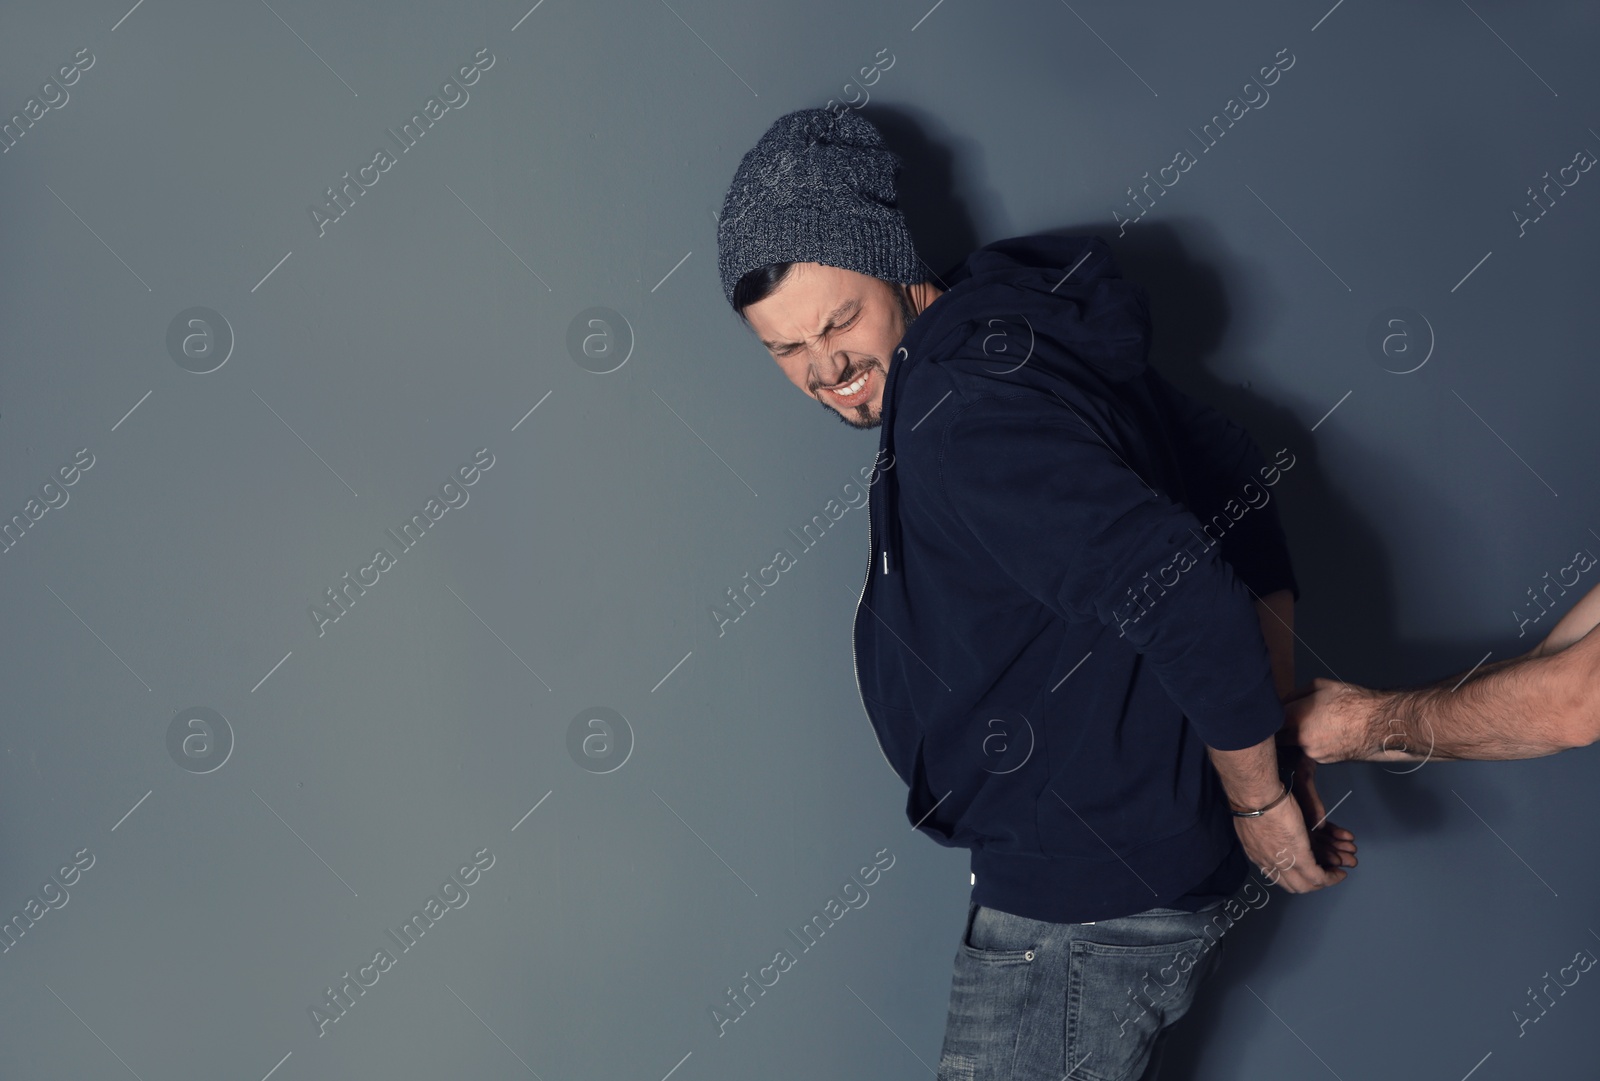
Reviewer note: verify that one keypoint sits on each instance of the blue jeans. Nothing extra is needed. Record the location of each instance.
(1037, 1001)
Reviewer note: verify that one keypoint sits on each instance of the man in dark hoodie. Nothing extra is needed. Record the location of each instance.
(1063, 640)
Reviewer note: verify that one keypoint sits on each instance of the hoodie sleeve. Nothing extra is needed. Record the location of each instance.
(1230, 490)
(1065, 517)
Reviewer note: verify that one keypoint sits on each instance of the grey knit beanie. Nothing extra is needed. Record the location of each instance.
(818, 187)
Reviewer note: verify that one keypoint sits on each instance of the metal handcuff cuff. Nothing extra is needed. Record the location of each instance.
(1287, 787)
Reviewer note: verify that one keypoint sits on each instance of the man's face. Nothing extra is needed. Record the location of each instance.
(833, 331)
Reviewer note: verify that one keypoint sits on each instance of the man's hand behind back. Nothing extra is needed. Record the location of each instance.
(1293, 844)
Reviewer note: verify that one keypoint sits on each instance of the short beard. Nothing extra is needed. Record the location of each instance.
(856, 424)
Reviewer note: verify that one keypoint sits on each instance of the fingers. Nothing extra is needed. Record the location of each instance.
(1335, 836)
(1329, 844)
(1303, 879)
(1322, 863)
(1328, 855)
(1334, 846)
(1325, 879)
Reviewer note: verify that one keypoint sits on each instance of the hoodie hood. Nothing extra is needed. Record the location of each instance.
(1042, 311)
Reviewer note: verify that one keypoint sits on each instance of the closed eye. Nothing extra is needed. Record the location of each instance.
(842, 326)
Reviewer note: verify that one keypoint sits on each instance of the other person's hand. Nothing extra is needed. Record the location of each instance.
(1332, 721)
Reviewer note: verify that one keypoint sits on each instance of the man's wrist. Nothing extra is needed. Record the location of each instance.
(1262, 793)
(1257, 812)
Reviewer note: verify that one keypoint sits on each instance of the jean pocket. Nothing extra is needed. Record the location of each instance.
(1119, 998)
(1000, 938)
(988, 956)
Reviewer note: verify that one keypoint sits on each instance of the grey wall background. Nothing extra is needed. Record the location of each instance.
(233, 880)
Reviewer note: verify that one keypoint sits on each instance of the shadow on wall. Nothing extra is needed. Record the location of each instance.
(936, 191)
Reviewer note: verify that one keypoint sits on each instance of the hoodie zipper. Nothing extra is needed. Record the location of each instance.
(854, 663)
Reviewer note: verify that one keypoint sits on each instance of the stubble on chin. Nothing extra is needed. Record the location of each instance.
(858, 412)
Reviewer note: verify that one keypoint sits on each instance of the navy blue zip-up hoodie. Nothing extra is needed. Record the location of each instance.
(1059, 614)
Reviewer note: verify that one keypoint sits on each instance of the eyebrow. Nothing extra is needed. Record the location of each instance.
(833, 321)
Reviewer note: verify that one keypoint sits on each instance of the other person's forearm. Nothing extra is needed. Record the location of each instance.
(1521, 707)
(1573, 626)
